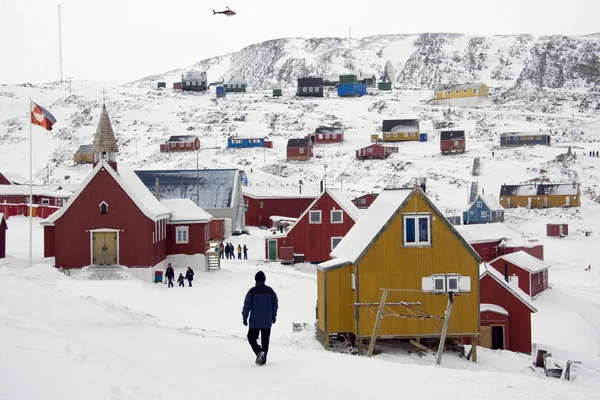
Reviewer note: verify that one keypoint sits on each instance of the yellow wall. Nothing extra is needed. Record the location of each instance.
(538, 201)
(400, 136)
(443, 94)
(387, 264)
(83, 158)
(321, 300)
(340, 296)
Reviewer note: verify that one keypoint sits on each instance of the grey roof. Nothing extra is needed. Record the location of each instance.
(84, 148)
(452, 135)
(449, 86)
(104, 140)
(400, 125)
(302, 142)
(540, 189)
(511, 134)
(208, 188)
(182, 138)
(194, 75)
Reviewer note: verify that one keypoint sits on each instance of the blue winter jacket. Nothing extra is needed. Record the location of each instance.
(261, 304)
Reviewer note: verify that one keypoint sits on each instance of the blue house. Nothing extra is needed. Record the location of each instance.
(513, 139)
(234, 142)
(485, 209)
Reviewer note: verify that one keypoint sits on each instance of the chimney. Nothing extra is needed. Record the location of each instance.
(157, 194)
(482, 191)
(514, 281)
(506, 272)
(574, 185)
(321, 186)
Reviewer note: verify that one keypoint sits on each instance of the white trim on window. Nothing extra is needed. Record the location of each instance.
(45, 202)
(182, 235)
(417, 235)
(312, 220)
(339, 220)
(337, 240)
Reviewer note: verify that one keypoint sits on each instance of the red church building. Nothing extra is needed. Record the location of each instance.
(3, 228)
(264, 202)
(529, 272)
(317, 231)
(113, 219)
(505, 312)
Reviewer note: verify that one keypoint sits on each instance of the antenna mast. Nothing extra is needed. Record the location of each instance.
(60, 46)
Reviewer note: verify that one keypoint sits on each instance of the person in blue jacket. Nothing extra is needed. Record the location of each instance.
(261, 306)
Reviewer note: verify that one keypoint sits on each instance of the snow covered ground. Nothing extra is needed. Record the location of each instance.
(71, 337)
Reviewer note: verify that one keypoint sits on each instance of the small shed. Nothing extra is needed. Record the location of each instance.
(352, 90)
(375, 152)
(269, 144)
(177, 85)
(3, 228)
(384, 86)
(422, 137)
(237, 84)
(557, 230)
(299, 149)
(452, 142)
(310, 87)
(277, 92)
(84, 154)
(220, 91)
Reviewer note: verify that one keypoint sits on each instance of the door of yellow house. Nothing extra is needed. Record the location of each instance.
(104, 248)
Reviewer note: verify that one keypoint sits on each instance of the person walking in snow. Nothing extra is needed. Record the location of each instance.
(189, 275)
(170, 274)
(260, 305)
(180, 280)
(245, 252)
(239, 249)
(221, 250)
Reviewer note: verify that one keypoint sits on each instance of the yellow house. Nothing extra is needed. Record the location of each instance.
(405, 244)
(400, 130)
(445, 91)
(540, 195)
(84, 154)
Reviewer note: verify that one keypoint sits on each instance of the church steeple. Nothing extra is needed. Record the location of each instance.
(104, 146)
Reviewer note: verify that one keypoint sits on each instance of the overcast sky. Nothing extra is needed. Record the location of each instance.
(123, 40)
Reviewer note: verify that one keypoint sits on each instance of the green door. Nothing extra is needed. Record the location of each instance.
(272, 250)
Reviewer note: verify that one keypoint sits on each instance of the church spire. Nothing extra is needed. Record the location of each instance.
(105, 144)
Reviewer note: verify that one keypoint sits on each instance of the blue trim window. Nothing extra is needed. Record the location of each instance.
(417, 230)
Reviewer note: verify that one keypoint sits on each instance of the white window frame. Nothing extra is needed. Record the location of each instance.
(310, 90)
(363, 201)
(185, 234)
(416, 217)
(445, 280)
(45, 202)
(336, 238)
(310, 219)
(304, 90)
(479, 204)
(327, 136)
(370, 150)
(341, 221)
(261, 204)
(334, 135)
(484, 214)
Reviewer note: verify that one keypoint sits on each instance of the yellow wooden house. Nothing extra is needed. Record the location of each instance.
(400, 130)
(402, 243)
(446, 91)
(84, 154)
(540, 195)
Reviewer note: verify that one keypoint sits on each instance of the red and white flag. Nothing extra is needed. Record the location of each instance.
(42, 117)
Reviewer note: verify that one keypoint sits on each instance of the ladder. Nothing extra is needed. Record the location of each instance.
(212, 257)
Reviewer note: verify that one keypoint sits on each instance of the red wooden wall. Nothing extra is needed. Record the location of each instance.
(48, 241)
(536, 251)
(216, 229)
(514, 270)
(197, 235)
(291, 207)
(488, 318)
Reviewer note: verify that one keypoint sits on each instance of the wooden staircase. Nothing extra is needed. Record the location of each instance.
(212, 257)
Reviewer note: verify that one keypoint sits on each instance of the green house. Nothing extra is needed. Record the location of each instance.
(368, 80)
(344, 79)
(237, 84)
(384, 85)
(277, 92)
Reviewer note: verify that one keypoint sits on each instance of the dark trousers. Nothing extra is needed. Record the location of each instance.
(170, 281)
(190, 282)
(181, 284)
(245, 255)
(265, 335)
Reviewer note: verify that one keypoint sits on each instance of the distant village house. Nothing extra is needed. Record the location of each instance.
(179, 143)
(540, 195)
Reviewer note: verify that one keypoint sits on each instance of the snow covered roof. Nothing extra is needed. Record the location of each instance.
(520, 242)
(299, 142)
(482, 233)
(333, 264)
(347, 205)
(483, 307)
(280, 218)
(212, 188)
(374, 221)
(276, 192)
(237, 80)
(459, 86)
(524, 260)
(485, 269)
(131, 185)
(84, 149)
(14, 178)
(490, 200)
(184, 210)
(182, 138)
(515, 134)
(540, 189)
(194, 74)
(400, 125)
(16, 190)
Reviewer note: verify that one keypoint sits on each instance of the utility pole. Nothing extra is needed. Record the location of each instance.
(69, 78)
(60, 46)
(325, 177)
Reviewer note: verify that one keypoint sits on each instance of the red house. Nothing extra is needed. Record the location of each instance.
(181, 143)
(557, 230)
(375, 152)
(495, 239)
(505, 312)
(11, 178)
(264, 202)
(324, 134)
(365, 200)
(113, 219)
(317, 231)
(529, 272)
(3, 228)
(299, 149)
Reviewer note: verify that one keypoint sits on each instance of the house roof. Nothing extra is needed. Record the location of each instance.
(236, 80)
(84, 148)
(400, 125)
(485, 269)
(279, 192)
(333, 264)
(14, 178)
(459, 86)
(3, 221)
(505, 134)
(365, 195)
(184, 210)
(298, 142)
(482, 233)
(452, 135)
(490, 200)
(208, 188)
(310, 82)
(376, 220)
(525, 261)
(247, 138)
(193, 75)
(540, 189)
(182, 138)
(483, 307)
(17, 190)
(131, 185)
(104, 139)
(329, 129)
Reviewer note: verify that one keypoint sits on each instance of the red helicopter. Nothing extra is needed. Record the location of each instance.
(227, 12)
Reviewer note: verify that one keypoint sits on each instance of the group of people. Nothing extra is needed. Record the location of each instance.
(170, 275)
(228, 251)
(594, 154)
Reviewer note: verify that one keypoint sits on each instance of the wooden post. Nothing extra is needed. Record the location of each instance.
(377, 322)
(445, 328)
(474, 350)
